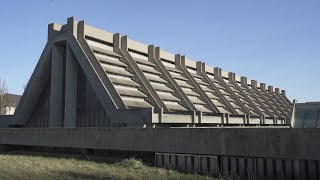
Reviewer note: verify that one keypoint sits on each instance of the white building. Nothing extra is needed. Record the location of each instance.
(11, 103)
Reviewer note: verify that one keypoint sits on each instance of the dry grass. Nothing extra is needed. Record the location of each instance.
(43, 167)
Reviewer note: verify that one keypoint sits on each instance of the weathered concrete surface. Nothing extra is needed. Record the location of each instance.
(248, 142)
(5, 121)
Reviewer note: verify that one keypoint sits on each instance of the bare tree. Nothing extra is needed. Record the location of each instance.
(3, 98)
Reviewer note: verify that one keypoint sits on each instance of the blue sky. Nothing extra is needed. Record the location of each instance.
(276, 42)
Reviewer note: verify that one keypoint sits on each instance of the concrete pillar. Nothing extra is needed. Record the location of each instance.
(296, 171)
(312, 170)
(283, 93)
(270, 89)
(72, 26)
(234, 166)
(270, 168)
(288, 165)
(279, 170)
(204, 164)
(189, 163)
(56, 95)
(70, 111)
(172, 164)
(196, 164)
(277, 91)
(166, 161)
(250, 167)
(262, 87)
(260, 167)
(53, 30)
(244, 81)
(214, 166)
(302, 169)
(159, 160)
(181, 163)
(225, 165)
(242, 168)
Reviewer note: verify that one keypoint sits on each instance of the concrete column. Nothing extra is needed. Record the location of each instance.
(172, 162)
(214, 166)
(181, 163)
(270, 168)
(166, 161)
(288, 165)
(70, 111)
(159, 160)
(204, 164)
(56, 106)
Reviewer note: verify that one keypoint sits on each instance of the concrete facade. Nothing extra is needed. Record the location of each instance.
(87, 77)
(307, 115)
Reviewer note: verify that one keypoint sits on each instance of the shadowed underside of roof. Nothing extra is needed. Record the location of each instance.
(106, 79)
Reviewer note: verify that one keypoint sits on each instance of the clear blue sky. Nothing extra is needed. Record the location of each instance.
(276, 42)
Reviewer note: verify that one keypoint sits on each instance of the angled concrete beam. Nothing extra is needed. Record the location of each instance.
(255, 89)
(216, 89)
(185, 101)
(278, 101)
(235, 96)
(203, 96)
(97, 76)
(218, 76)
(34, 87)
(70, 110)
(274, 103)
(232, 80)
(72, 27)
(154, 54)
(254, 86)
(56, 95)
(146, 87)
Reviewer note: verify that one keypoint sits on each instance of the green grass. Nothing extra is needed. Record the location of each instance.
(24, 166)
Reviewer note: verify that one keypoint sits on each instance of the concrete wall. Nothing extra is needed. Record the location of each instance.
(248, 142)
(307, 115)
(5, 120)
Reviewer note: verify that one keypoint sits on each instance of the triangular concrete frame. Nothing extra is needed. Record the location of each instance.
(114, 106)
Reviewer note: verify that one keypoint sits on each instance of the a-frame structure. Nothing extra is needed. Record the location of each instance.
(87, 77)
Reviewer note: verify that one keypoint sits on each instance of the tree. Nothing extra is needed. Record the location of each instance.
(3, 98)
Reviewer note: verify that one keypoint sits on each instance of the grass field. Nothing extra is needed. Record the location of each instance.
(26, 166)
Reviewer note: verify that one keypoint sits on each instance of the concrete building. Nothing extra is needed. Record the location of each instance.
(94, 90)
(11, 102)
(307, 115)
(87, 77)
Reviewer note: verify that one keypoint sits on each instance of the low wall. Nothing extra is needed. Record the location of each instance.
(245, 142)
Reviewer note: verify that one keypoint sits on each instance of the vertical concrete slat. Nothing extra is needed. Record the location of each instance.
(270, 168)
(166, 161)
(159, 160)
(250, 168)
(189, 163)
(196, 164)
(260, 167)
(172, 162)
(296, 171)
(181, 163)
(288, 165)
(204, 164)
(279, 170)
(214, 166)
(302, 169)
(56, 86)
(234, 167)
(70, 114)
(242, 168)
(312, 170)
(225, 166)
